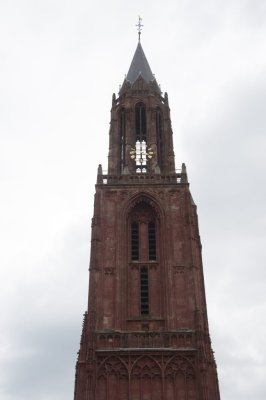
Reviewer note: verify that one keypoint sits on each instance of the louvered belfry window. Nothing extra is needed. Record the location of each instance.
(134, 241)
(143, 241)
(152, 241)
(144, 290)
(143, 233)
(140, 122)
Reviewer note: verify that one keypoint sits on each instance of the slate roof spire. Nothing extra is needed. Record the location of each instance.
(139, 66)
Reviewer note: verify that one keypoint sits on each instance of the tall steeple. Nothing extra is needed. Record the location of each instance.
(139, 67)
(140, 70)
(145, 334)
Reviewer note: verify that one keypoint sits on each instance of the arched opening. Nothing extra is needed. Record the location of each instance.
(180, 379)
(143, 228)
(144, 272)
(140, 138)
(112, 379)
(140, 122)
(146, 379)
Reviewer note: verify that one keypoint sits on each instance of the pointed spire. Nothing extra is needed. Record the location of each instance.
(139, 66)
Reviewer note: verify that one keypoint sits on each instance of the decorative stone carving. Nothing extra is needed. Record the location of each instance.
(109, 270)
(179, 269)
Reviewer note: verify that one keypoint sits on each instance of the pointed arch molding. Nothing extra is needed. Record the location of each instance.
(147, 365)
(144, 197)
(113, 365)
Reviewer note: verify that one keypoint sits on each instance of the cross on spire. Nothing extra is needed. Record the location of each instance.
(139, 25)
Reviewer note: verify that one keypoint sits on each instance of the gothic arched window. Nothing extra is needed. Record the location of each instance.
(143, 249)
(143, 235)
(140, 122)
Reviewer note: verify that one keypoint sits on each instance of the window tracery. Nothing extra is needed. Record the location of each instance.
(143, 231)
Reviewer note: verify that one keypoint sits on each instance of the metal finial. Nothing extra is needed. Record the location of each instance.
(139, 25)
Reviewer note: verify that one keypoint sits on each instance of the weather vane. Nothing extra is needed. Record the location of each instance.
(139, 25)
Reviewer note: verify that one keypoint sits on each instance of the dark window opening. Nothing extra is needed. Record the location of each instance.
(152, 241)
(134, 241)
(144, 291)
(140, 122)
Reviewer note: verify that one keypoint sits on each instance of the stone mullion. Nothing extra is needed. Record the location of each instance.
(130, 141)
(162, 367)
(143, 242)
(107, 386)
(153, 142)
(186, 386)
(129, 375)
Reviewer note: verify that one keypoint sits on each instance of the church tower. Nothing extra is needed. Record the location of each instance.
(145, 334)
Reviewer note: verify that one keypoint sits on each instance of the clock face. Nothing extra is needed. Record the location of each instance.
(141, 153)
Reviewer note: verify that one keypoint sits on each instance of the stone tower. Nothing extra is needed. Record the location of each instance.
(145, 334)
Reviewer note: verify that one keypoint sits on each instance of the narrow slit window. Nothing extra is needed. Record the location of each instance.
(144, 291)
(134, 241)
(152, 241)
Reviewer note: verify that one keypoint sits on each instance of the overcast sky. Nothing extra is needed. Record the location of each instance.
(60, 62)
